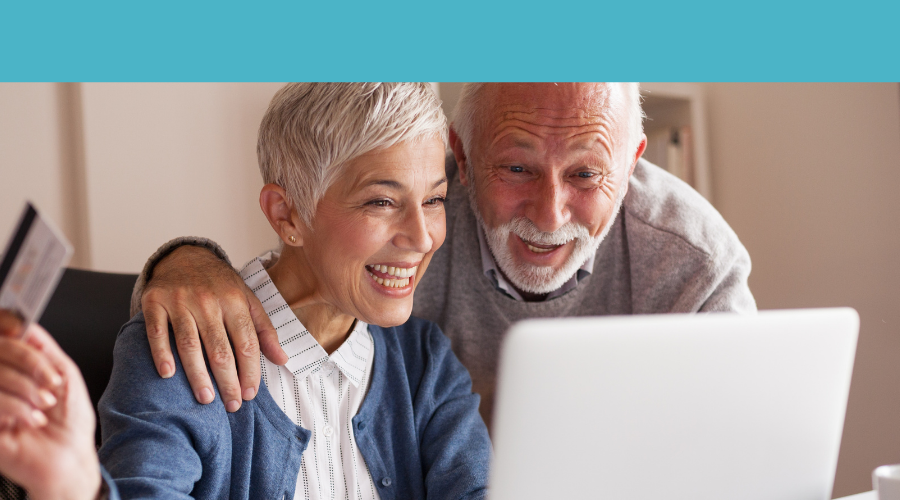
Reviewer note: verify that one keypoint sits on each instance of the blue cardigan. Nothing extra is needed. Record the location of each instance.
(418, 428)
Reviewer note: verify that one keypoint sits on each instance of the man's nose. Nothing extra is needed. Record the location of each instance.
(548, 208)
(414, 232)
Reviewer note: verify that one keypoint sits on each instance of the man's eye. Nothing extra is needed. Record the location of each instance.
(517, 169)
(586, 175)
(380, 203)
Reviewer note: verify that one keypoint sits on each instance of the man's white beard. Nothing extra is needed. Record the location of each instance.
(542, 279)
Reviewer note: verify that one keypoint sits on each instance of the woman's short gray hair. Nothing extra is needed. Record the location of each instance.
(312, 130)
(467, 106)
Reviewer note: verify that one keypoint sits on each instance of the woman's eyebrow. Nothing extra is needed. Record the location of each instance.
(396, 185)
(384, 182)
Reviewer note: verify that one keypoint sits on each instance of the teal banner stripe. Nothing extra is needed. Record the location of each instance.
(449, 41)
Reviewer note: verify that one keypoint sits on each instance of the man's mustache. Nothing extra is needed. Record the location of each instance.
(527, 230)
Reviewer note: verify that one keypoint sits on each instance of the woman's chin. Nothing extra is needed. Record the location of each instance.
(389, 316)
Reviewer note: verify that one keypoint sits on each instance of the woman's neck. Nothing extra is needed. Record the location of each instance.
(297, 284)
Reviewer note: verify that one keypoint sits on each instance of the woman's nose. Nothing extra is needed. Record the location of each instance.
(415, 234)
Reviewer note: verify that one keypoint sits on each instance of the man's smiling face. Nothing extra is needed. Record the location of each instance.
(547, 172)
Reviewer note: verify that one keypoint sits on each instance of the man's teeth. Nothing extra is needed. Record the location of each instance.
(390, 283)
(398, 272)
(539, 250)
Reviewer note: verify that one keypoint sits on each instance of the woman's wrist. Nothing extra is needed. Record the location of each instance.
(90, 486)
(81, 479)
(93, 483)
(103, 493)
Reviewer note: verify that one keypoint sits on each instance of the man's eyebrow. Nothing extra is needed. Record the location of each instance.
(581, 146)
(521, 143)
(584, 142)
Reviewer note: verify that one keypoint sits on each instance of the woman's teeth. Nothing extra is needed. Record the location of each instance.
(389, 282)
(401, 275)
(398, 272)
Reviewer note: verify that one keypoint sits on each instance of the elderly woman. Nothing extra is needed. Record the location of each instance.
(371, 404)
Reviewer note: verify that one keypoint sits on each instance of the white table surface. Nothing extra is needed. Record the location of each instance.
(869, 495)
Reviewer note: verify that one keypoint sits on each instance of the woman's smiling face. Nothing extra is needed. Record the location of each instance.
(375, 230)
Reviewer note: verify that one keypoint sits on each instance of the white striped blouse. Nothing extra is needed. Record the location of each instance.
(320, 393)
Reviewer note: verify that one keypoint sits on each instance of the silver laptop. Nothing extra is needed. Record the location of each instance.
(699, 407)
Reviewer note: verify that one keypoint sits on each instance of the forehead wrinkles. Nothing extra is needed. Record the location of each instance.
(561, 129)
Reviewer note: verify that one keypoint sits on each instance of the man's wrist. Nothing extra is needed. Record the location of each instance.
(163, 252)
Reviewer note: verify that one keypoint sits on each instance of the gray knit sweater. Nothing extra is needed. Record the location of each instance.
(669, 251)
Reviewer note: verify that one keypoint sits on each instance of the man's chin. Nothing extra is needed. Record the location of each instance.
(544, 273)
(538, 279)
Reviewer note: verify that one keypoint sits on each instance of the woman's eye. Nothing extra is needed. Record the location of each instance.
(380, 203)
(437, 200)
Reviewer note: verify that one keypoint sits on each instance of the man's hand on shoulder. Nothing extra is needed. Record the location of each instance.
(206, 301)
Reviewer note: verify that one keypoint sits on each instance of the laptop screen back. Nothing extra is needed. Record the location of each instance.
(673, 406)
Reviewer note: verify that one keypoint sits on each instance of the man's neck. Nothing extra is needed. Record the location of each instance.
(526, 296)
(532, 297)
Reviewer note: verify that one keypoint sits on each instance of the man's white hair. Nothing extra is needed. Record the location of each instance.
(465, 116)
(312, 130)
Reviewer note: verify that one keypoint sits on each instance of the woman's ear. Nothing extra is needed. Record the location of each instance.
(275, 203)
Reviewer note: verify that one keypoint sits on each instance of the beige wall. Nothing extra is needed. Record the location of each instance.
(807, 175)
(123, 168)
(30, 153)
(166, 160)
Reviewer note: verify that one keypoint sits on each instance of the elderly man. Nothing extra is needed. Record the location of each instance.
(551, 213)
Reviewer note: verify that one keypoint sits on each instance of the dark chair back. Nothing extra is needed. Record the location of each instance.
(84, 315)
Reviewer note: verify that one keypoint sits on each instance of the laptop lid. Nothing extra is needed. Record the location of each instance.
(673, 406)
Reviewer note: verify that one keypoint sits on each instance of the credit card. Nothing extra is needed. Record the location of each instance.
(33, 263)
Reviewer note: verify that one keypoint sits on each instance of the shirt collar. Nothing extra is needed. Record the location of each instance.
(305, 355)
(489, 268)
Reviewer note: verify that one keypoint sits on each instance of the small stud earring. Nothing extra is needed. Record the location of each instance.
(292, 238)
